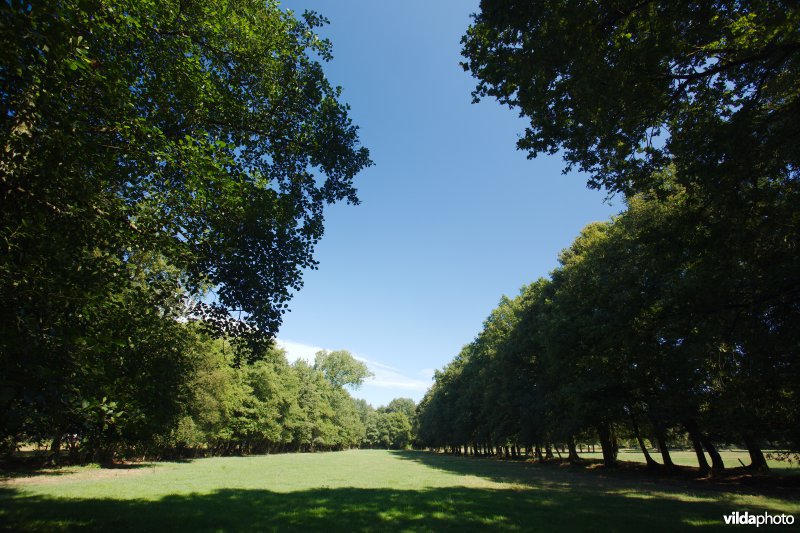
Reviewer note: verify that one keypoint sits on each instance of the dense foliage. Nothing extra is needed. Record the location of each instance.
(627, 88)
(392, 426)
(627, 339)
(212, 406)
(679, 320)
(159, 160)
(265, 407)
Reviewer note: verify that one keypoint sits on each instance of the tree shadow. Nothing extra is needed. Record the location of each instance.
(553, 473)
(633, 476)
(355, 509)
(27, 470)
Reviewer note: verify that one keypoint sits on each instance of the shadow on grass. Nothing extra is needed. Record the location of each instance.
(547, 475)
(24, 470)
(592, 474)
(353, 509)
(13, 473)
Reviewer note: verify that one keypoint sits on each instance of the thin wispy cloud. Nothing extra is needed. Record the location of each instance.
(386, 376)
(427, 373)
(297, 350)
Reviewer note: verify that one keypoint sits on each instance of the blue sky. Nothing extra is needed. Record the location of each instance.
(452, 215)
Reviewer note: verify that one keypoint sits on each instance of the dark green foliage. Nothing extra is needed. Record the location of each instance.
(189, 127)
(154, 156)
(627, 337)
(407, 407)
(679, 318)
(393, 426)
(628, 88)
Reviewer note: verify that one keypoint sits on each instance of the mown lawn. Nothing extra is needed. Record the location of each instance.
(366, 491)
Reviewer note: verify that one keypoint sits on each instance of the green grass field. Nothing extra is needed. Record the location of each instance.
(366, 490)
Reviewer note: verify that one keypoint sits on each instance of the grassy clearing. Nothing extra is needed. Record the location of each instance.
(363, 490)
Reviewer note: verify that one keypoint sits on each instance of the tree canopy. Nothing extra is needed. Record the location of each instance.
(677, 319)
(203, 131)
(341, 368)
(159, 160)
(627, 88)
(634, 336)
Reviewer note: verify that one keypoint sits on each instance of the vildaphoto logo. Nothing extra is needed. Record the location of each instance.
(747, 519)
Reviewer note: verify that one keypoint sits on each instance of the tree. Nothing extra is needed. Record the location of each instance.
(350, 429)
(215, 396)
(340, 368)
(390, 430)
(665, 101)
(189, 126)
(194, 144)
(402, 405)
(409, 409)
(717, 80)
(646, 329)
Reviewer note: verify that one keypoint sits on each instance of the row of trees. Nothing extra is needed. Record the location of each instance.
(681, 316)
(634, 336)
(217, 407)
(271, 406)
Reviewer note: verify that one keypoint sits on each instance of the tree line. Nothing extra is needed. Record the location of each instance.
(212, 405)
(632, 337)
(271, 406)
(678, 319)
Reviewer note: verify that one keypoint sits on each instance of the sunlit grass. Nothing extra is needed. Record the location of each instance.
(363, 490)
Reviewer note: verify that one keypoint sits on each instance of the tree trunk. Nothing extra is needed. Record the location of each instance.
(757, 460)
(614, 442)
(649, 460)
(717, 465)
(665, 457)
(105, 456)
(548, 451)
(661, 438)
(573, 453)
(694, 435)
(55, 449)
(609, 457)
(538, 452)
